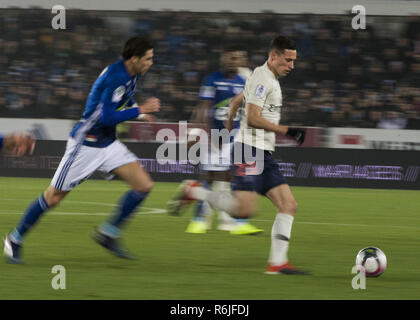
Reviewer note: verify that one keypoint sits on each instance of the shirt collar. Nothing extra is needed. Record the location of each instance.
(265, 66)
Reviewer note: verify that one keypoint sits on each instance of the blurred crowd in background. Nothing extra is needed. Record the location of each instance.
(343, 77)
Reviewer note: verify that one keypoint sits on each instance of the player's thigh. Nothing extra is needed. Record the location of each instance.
(135, 176)
(282, 197)
(247, 203)
(77, 164)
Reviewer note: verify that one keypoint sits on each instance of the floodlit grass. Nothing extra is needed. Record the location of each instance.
(332, 225)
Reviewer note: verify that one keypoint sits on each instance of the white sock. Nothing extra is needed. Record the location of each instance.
(280, 236)
(199, 193)
(223, 186)
(223, 201)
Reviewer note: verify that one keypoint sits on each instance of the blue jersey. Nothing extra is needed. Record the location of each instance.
(219, 89)
(1, 141)
(112, 91)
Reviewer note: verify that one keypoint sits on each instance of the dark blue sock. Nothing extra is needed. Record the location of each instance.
(128, 204)
(31, 216)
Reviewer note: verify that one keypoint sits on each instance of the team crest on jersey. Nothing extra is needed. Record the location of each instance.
(118, 94)
(260, 91)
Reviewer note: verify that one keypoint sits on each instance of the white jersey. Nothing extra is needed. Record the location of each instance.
(262, 89)
(244, 72)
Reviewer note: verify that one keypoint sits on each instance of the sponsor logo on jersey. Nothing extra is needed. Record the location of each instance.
(274, 108)
(118, 94)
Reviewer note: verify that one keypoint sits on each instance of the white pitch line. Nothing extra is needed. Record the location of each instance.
(346, 224)
(156, 211)
(153, 211)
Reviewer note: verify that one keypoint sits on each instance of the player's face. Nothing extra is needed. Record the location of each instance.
(232, 61)
(141, 65)
(283, 63)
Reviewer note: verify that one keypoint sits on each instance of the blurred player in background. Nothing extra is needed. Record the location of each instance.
(263, 101)
(218, 90)
(17, 144)
(92, 145)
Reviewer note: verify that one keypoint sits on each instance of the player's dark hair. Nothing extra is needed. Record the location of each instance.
(281, 43)
(136, 46)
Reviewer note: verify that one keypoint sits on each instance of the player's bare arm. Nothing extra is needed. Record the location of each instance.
(202, 114)
(256, 120)
(233, 109)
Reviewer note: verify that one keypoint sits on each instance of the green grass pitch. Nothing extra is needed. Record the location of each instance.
(331, 226)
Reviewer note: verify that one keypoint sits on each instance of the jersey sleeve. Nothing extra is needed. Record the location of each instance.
(111, 99)
(208, 89)
(1, 141)
(258, 90)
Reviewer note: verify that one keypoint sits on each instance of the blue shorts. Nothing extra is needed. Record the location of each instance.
(260, 175)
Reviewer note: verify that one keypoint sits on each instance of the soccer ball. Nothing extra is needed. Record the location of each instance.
(372, 260)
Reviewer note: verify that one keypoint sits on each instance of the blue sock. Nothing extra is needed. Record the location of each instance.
(31, 216)
(199, 212)
(128, 204)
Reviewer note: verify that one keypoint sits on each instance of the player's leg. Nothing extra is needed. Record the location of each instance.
(49, 199)
(124, 164)
(282, 197)
(247, 206)
(77, 163)
(240, 204)
(221, 183)
(108, 234)
(13, 242)
(141, 184)
(237, 223)
(220, 170)
(202, 214)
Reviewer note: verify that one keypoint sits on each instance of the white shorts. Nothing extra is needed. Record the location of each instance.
(80, 162)
(218, 159)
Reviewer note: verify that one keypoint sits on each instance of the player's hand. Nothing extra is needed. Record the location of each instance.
(297, 134)
(151, 105)
(146, 117)
(228, 124)
(18, 144)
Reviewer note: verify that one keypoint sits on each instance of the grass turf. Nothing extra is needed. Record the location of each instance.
(331, 226)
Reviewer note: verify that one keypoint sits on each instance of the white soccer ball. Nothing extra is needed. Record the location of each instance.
(372, 260)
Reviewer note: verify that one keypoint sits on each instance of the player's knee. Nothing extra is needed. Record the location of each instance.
(145, 187)
(291, 206)
(53, 199)
(53, 196)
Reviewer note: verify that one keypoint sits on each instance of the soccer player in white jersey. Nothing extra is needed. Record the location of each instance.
(93, 145)
(259, 173)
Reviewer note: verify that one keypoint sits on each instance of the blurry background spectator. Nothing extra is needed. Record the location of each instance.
(346, 78)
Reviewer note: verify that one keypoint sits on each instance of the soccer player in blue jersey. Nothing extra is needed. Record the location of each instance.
(92, 145)
(216, 94)
(17, 144)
